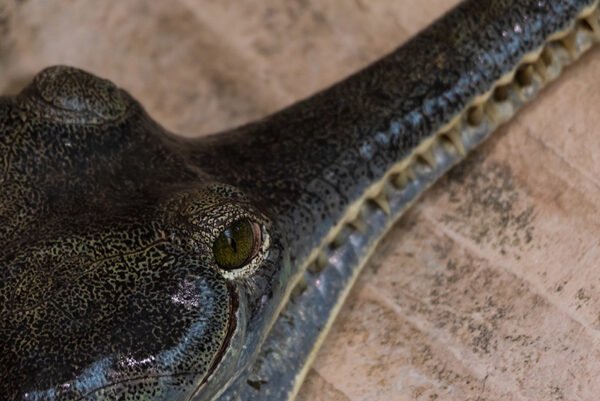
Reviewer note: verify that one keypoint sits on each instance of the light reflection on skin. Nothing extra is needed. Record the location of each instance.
(132, 362)
(92, 377)
(187, 295)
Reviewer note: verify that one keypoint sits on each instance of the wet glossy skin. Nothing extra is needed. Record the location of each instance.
(111, 279)
(109, 287)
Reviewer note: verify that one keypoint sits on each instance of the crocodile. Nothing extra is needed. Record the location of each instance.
(141, 265)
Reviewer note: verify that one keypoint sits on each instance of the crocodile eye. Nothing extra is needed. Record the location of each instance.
(237, 245)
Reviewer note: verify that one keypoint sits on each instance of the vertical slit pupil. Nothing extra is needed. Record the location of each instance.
(237, 244)
(231, 241)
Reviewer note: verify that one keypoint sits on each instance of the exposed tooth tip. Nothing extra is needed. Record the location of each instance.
(339, 239)
(299, 288)
(541, 69)
(382, 202)
(588, 25)
(314, 268)
(358, 224)
(399, 180)
(475, 115)
(410, 173)
(321, 261)
(454, 137)
(547, 56)
(569, 42)
(545, 64)
(592, 21)
(428, 158)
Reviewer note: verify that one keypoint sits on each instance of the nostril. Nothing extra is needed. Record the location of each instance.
(85, 96)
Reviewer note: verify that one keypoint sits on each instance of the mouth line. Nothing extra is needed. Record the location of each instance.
(235, 306)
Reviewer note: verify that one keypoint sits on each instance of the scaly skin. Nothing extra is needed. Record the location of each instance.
(109, 288)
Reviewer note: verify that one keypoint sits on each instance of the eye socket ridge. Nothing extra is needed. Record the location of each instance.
(238, 244)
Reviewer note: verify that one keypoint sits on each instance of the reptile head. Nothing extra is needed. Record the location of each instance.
(125, 271)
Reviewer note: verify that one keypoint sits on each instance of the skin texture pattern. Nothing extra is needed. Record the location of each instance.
(139, 265)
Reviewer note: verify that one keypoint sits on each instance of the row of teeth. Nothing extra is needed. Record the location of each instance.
(493, 108)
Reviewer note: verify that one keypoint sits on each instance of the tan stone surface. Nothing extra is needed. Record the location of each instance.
(488, 289)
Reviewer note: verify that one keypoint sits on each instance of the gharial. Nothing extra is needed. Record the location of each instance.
(139, 265)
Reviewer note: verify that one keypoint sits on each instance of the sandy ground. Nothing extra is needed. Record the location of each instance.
(488, 289)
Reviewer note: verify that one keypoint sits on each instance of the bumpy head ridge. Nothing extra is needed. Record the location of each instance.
(71, 92)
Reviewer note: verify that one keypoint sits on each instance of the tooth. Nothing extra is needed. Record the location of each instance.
(321, 261)
(300, 287)
(339, 239)
(570, 44)
(410, 173)
(314, 268)
(592, 21)
(358, 224)
(454, 137)
(475, 115)
(552, 59)
(382, 202)
(399, 180)
(586, 25)
(428, 158)
(540, 67)
(501, 112)
(524, 75)
(547, 56)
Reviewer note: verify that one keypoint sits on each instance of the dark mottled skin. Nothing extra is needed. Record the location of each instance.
(108, 284)
(107, 236)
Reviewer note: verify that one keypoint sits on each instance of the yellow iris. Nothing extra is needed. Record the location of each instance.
(237, 245)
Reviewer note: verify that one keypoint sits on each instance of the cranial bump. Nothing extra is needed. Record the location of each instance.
(78, 94)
